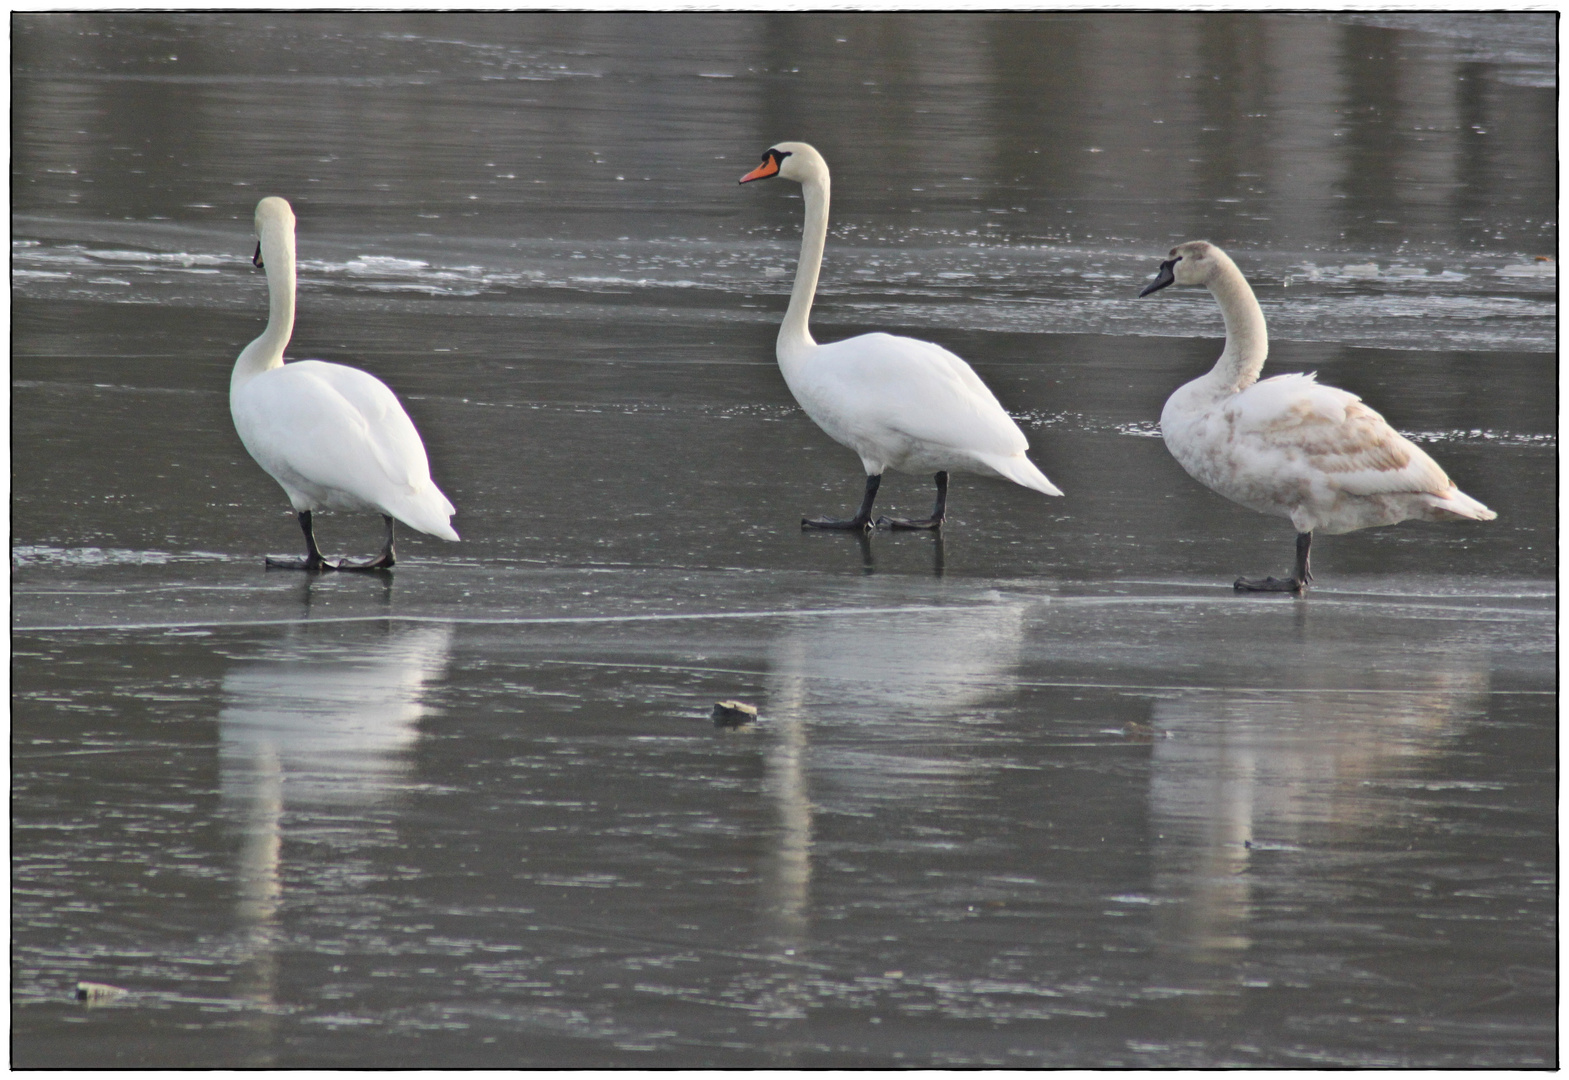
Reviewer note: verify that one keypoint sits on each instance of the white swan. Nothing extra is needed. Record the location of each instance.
(335, 437)
(1288, 445)
(897, 402)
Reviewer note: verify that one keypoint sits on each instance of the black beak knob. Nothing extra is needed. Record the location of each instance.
(256, 259)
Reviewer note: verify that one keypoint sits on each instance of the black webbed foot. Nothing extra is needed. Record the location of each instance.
(314, 564)
(381, 562)
(1296, 583)
(862, 519)
(385, 561)
(939, 511)
(1269, 584)
(858, 522)
(909, 523)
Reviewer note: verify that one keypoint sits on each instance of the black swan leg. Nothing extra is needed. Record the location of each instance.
(863, 517)
(313, 561)
(385, 561)
(1296, 583)
(939, 511)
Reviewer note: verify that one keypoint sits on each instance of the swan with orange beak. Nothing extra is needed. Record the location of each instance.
(899, 403)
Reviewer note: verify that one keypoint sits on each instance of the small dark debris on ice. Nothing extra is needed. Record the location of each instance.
(98, 993)
(734, 714)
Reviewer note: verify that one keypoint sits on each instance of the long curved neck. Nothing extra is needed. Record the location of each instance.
(266, 352)
(794, 335)
(1247, 341)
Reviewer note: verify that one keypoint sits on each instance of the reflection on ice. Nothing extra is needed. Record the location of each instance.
(788, 873)
(913, 668)
(1240, 776)
(787, 867)
(319, 726)
(334, 725)
(922, 666)
(931, 663)
(904, 670)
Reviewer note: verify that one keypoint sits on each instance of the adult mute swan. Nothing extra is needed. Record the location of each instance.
(1289, 445)
(335, 437)
(897, 402)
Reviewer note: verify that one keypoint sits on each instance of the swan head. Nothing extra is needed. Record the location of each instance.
(1196, 262)
(274, 218)
(796, 161)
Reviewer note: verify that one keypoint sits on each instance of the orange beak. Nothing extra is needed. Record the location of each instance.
(769, 167)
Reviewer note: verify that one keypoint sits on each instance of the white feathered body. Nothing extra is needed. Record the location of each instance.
(909, 405)
(1292, 447)
(898, 402)
(337, 438)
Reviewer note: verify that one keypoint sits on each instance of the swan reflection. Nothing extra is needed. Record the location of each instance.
(337, 721)
(868, 669)
(1244, 780)
(320, 726)
(869, 564)
(931, 663)
(883, 674)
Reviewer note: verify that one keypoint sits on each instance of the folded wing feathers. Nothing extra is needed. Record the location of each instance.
(344, 429)
(922, 390)
(379, 416)
(1334, 433)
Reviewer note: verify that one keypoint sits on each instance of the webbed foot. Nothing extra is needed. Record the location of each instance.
(909, 523)
(857, 522)
(1269, 584)
(385, 561)
(314, 564)
(939, 510)
(862, 519)
(381, 562)
(1296, 583)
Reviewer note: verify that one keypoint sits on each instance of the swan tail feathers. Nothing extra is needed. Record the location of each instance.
(434, 526)
(429, 512)
(1455, 505)
(1022, 471)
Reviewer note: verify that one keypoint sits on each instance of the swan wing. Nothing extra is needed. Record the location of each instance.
(916, 389)
(1333, 433)
(343, 429)
(385, 428)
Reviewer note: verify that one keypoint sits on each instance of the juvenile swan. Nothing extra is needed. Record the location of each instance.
(1289, 445)
(335, 437)
(897, 402)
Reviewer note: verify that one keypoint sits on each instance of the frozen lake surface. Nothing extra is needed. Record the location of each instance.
(1041, 791)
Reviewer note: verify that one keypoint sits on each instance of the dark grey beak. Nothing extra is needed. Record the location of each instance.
(256, 258)
(1162, 279)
